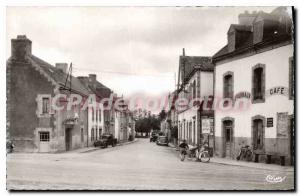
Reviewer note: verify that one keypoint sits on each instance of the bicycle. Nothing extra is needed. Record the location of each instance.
(245, 153)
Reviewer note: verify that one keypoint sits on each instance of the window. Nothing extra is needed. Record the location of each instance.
(228, 85)
(100, 115)
(194, 89)
(96, 115)
(291, 77)
(92, 114)
(194, 127)
(258, 83)
(96, 133)
(44, 136)
(100, 132)
(46, 105)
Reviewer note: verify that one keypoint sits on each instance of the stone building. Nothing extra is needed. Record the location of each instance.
(195, 82)
(98, 116)
(257, 66)
(32, 124)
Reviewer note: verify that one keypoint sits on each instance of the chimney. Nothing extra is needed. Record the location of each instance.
(92, 78)
(62, 66)
(247, 18)
(20, 48)
(183, 52)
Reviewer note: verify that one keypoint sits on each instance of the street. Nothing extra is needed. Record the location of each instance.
(138, 166)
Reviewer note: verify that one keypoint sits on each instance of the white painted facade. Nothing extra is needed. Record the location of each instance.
(277, 74)
(95, 122)
(189, 120)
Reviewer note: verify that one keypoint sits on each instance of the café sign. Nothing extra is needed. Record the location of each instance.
(278, 90)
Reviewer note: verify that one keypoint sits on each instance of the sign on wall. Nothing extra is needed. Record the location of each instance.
(207, 125)
(242, 94)
(278, 90)
(282, 125)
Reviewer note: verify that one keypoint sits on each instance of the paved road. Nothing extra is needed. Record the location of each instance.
(141, 165)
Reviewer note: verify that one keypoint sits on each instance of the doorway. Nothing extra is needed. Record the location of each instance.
(258, 134)
(68, 139)
(228, 138)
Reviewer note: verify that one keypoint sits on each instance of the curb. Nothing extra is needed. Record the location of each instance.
(126, 143)
(290, 169)
(94, 149)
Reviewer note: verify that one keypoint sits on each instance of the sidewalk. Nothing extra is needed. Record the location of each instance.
(233, 162)
(91, 149)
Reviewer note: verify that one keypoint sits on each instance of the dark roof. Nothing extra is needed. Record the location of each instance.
(269, 37)
(59, 76)
(238, 27)
(98, 88)
(192, 63)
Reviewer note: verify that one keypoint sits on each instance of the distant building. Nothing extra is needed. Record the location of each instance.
(32, 124)
(257, 65)
(195, 82)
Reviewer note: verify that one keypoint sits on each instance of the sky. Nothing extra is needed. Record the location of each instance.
(133, 50)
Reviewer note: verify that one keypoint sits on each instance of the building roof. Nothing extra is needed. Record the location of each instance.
(276, 29)
(192, 63)
(59, 76)
(97, 88)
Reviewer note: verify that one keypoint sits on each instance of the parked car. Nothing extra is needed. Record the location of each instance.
(162, 140)
(106, 140)
(153, 137)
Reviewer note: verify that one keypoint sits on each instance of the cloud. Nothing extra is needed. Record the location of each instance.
(138, 40)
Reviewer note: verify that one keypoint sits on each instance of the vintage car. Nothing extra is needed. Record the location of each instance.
(106, 140)
(162, 140)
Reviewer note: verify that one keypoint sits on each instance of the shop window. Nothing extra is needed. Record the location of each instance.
(258, 83)
(44, 136)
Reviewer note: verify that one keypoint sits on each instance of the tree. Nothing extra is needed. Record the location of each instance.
(162, 115)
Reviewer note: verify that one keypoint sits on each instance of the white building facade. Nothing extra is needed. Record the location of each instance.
(256, 67)
(195, 83)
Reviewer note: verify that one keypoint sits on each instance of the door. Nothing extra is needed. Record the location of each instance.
(228, 138)
(68, 139)
(190, 133)
(258, 134)
(228, 141)
(44, 141)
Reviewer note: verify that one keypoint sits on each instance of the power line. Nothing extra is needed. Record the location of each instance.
(170, 74)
